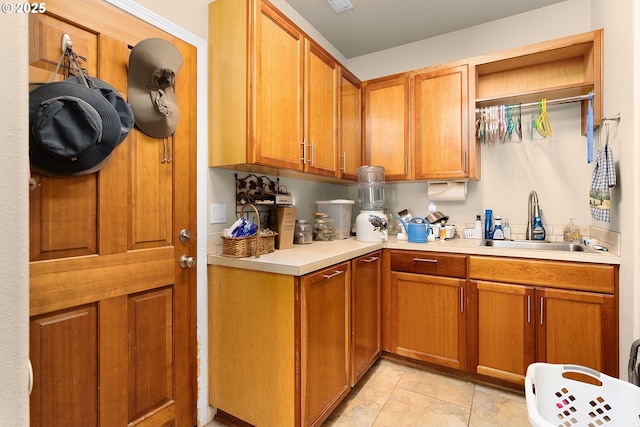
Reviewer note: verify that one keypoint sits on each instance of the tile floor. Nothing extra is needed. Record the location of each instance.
(399, 395)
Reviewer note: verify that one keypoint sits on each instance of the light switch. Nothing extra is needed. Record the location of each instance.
(218, 213)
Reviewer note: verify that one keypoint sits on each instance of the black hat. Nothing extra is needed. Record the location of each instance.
(115, 99)
(73, 128)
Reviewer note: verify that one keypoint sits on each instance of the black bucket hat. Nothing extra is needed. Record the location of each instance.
(115, 99)
(74, 128)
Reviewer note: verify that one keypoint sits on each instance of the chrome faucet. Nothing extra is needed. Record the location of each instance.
(535, 230)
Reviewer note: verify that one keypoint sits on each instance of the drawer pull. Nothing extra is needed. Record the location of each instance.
(373, 258)
(461, 299)
(433, 261)
(336, 273)
(541, 310)
(528, 308)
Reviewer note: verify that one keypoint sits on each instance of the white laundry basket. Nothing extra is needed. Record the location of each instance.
(555, 400)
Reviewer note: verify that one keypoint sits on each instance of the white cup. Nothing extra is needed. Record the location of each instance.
(450, 230)
(435, 231)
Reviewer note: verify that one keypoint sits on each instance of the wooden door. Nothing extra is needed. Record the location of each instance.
(112, 313)
(324, 336)
(321, 106)
(349, 125)
(429, 318)
(278, 136)
(502, 327)
(441, 123)
(366, 320)
(386, 120)
(577, 328)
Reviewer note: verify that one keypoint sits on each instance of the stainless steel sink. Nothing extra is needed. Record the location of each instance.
(536, 245)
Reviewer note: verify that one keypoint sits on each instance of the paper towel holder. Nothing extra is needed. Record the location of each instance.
(447, 190)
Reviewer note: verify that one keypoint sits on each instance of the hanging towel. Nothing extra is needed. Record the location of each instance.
(604, 177)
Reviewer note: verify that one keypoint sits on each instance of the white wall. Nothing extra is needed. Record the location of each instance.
(14, 222)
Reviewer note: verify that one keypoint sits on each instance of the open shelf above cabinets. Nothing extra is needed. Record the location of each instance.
(561, 68)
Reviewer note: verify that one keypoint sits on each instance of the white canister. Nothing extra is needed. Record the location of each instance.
(450, 231)
(435, 230)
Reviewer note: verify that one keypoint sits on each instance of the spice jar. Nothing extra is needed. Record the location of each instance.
(322, 227)
(303, 233)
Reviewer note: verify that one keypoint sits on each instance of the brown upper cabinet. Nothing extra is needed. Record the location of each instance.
(273, 97)
(349, 125)
(280, 103)
(386, 123)
(442, 148)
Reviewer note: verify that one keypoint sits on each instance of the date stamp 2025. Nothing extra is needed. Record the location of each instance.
(23, 8)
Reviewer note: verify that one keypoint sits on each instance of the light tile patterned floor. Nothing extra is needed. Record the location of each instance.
(396, 395)
(393, 394)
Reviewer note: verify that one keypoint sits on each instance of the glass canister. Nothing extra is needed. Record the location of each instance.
(322, 227)
(303, 233)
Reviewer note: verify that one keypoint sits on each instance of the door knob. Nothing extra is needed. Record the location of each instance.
(187, 261)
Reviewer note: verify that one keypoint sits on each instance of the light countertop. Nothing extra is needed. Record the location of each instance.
(304, 259)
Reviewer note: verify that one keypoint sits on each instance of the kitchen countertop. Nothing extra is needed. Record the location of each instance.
(304, 259)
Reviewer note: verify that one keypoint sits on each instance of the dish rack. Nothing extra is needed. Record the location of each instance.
(263, 242)
(574, 395)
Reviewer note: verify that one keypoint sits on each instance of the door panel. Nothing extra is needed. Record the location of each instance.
(151, 192)
(65, 368)
(106, 244)
(150, 351)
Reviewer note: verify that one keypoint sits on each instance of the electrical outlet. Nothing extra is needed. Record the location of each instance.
(218, 213)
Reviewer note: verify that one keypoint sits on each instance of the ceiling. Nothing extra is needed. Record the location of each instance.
(374, 25)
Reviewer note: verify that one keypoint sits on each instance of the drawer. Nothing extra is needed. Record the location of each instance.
(556, 274)
(433, 263)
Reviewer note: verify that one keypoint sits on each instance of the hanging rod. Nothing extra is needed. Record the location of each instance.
(551, 101)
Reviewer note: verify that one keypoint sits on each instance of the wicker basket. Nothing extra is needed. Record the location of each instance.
(256, 245)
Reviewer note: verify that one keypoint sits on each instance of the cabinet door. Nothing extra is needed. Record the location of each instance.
(320, 114)
(428, 318)
(349, 125)
(386, 117)
(441, 124)
(577, 328)
(502, 327)
(278, 92)
(324, 342)
(365, 313)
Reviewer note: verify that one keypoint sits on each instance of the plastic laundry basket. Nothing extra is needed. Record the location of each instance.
(555, 400)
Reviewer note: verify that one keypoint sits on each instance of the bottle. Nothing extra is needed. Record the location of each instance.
(506, 230)
(538, 230)
(477, 230)
(487, 223)
(443, 230)
(497, 230)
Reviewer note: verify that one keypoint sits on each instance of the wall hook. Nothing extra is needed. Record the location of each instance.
(66, 42)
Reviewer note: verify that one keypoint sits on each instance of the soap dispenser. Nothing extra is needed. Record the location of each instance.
(498, 234)
(538, 230)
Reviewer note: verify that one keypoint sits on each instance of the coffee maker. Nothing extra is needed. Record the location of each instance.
(372, 222)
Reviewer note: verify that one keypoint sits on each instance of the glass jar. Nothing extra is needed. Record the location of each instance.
(303, 233)
(322, 227)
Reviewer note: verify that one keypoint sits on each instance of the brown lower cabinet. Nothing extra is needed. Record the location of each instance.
(494, 316)
(426, 303)
(366, 313)
(285, 350)
(546, 311)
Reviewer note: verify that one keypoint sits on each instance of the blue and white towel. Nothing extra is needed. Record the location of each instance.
(604, 177)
